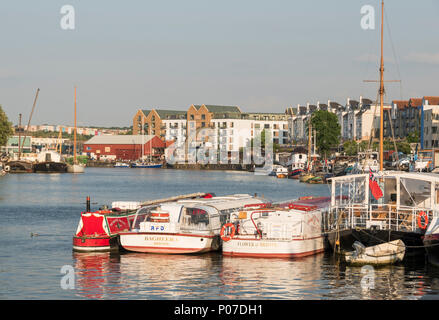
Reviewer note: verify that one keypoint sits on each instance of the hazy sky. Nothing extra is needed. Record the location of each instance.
(260, 55)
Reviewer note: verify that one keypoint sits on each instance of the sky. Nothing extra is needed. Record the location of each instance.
(262, 56)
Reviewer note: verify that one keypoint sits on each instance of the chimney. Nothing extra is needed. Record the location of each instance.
(307, 107)
(361, 100)
(318, 105)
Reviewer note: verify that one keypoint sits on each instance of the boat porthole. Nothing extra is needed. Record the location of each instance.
(201, 239)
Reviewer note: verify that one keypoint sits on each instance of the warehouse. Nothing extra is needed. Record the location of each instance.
(124, 147)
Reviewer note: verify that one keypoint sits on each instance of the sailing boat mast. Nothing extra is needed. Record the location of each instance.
(309, 143)
(382, 88)
(74, 135)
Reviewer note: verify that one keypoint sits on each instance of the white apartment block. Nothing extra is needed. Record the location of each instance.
(355, 119)
(430, 135)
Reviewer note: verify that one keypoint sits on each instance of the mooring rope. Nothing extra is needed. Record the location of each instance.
(394, 244)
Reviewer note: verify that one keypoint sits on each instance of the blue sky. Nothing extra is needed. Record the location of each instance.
(260, 55)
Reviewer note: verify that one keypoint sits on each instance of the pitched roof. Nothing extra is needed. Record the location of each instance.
(433, 101)
(163, 114)
(222, 109)
(167, 114)
(401, 104)
(366, 101)
(120, 139)
(415, 102)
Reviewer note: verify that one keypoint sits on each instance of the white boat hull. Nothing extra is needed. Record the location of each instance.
(383, 254)
(172, 243)
(294, 248)
(75, 168)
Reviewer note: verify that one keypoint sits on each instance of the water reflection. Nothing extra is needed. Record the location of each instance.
(97, 275)
(259, 278)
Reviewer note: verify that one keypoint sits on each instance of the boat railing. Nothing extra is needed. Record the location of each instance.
(379, 216)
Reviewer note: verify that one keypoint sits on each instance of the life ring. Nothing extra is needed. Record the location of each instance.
(7, 168)
(232, 233)
(422, 214)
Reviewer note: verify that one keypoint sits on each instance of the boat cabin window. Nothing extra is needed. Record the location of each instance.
(194, 218)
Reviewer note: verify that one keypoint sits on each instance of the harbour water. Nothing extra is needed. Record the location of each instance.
(49, 205)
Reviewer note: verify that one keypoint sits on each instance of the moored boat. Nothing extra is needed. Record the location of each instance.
(431, 241)
(121, 165)
(382, 254)
(287, 230)
(49, 161)
(145, 165)
(295, 173)
(281, 172)
(98, 230)
(19, 166)
(184, 226)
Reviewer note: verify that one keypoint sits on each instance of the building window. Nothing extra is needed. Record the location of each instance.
(203, 117)
(203, 124)
(192, 117)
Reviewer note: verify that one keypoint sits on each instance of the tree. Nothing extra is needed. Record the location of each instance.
(5, 127)
(327, 129)
(413, 137)
(350, 148)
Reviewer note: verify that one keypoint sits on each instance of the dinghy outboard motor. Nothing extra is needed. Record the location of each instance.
(359, 248)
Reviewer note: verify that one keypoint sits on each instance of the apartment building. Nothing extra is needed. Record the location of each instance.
(429, 134)
(355, 119)
(214, 126)
(153, 122)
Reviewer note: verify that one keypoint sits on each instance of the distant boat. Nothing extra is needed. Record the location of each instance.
(75, 167)
(382, 254)
(121, 165)
(50, 162)
(145, 165)
(281, 172)
(295, 173)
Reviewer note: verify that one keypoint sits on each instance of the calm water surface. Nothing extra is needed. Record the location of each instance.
(49, 204)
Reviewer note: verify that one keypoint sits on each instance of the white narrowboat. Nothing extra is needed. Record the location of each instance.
(185, 226)
(286, 230)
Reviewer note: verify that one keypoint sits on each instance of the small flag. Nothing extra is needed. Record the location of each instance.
(374, 187)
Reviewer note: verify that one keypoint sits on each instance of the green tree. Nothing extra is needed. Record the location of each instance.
(413, 137)
(5, 127)
(327, 129)
(350, 147)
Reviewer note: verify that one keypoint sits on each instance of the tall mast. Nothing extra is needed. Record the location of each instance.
(382, 87)
(74, 135)
(309, 142)
(19, 136)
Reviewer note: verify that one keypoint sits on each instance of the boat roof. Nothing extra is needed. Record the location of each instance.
(221, 203)
(432, 177)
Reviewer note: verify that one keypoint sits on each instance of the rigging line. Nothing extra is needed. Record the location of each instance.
(394, 54)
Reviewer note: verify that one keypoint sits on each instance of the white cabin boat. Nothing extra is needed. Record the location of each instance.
(287, 230)
(185, 226)
(281, 172)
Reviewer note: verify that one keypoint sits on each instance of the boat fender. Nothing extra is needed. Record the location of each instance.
(7, 168)
(232, 232)
(422, 214)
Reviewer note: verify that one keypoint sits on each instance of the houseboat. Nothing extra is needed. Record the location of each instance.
(286, 230)
(99, 230)
(49, 161)
(381, 207)
(184, 226)
(431, 241)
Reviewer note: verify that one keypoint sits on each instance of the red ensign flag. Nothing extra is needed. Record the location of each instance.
(374, 187)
